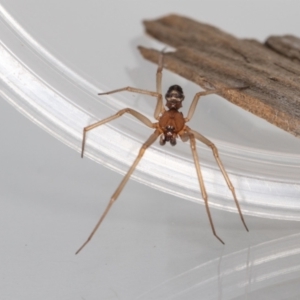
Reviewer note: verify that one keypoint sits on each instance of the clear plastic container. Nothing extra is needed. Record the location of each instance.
(260, 272)
(262, 161)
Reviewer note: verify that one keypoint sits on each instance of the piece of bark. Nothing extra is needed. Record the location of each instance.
(214, 59)
(286, 45)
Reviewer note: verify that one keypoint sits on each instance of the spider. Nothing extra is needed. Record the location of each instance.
(170, 125)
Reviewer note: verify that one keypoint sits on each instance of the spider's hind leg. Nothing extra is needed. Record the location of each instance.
(159, 109)
(204, 93)
(159, 103)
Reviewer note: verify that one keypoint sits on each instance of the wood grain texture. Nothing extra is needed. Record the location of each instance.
(215, 59)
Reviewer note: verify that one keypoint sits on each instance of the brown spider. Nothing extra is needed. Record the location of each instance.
(171, 125)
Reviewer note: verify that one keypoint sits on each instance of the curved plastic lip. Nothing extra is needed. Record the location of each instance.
(266, 266)
(271, 190)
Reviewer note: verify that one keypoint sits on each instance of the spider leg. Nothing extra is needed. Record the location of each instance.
(116, 194)
(207, 142)
(159, 107)
(158, 96)
(201, 183)
(134, 113)
(204, 93)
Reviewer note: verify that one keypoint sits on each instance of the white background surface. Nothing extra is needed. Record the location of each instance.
(151, 243)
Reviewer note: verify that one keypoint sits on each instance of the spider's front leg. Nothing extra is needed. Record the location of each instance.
(118, 191)
(201, 183)
(207, 142)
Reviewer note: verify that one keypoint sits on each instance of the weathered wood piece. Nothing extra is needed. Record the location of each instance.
(286, 45)
(214, 59)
